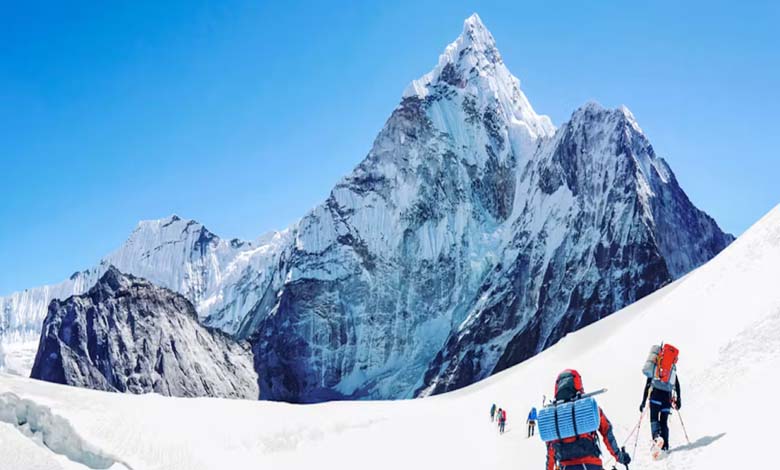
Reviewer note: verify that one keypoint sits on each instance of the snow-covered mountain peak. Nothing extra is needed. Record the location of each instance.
(168, 229)
(473, 53)
(612, 140)
(593, 111)
(475, 40)
(613, 133)
(173, 252)
(472, 76)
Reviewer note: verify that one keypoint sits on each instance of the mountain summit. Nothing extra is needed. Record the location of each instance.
(473, 64)
(472, 236)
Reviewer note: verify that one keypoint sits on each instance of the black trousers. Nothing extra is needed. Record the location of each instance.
(659, 421)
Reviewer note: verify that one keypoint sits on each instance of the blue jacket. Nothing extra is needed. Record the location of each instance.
(532, 415)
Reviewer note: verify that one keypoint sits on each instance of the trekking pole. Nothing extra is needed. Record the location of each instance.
(679, 415)
(638, 430)
(635, 430)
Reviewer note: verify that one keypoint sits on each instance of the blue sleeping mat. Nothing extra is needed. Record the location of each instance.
(583, 413)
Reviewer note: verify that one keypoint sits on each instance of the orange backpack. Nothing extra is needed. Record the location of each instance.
(667, 359)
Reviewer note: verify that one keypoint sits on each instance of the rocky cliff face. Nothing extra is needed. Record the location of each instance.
(127, 335)
(472, 236)
(602, 223)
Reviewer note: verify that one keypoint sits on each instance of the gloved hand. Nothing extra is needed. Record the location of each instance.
(642, 407)
(677, 405)
(623, 458)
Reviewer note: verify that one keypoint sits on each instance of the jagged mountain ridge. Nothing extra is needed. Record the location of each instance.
(434, 262)
(128, 335)
(591, 237)
(218, 276)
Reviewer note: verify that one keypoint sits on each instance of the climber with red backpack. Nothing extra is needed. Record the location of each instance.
(569, 425)
(662, 390)
(501, 421)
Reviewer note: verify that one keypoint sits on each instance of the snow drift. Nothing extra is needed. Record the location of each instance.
(56, 433)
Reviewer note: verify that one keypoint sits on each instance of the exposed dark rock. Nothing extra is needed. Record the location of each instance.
(127, 335)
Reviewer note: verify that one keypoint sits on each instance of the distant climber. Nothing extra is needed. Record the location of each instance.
(531, 421)
(662, 390)
(581, 451)
(492, 412)
(501, 421)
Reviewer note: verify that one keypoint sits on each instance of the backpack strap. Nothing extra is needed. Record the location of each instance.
(557, 430)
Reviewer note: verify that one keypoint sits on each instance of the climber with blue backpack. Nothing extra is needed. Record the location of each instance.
(569, 426)
(531, 421)
(662, 390)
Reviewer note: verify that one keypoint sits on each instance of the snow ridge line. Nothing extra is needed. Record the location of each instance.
(56, 433)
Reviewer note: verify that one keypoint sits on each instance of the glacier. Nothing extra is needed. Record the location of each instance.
(473, 235)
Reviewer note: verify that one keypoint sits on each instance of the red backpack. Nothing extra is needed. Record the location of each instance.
(667, 358)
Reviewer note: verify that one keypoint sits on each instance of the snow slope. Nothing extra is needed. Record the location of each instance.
(724, 316)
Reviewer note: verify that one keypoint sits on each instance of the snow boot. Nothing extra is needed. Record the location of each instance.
(657, 450)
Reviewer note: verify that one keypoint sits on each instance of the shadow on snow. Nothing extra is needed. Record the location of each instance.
(700, 442)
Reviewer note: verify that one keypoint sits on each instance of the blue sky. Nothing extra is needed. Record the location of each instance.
(243, 115)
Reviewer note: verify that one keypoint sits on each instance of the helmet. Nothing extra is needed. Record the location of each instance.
(568, 385)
